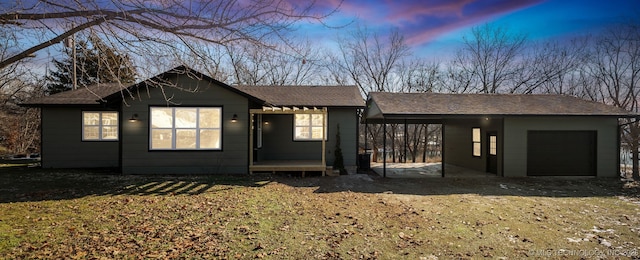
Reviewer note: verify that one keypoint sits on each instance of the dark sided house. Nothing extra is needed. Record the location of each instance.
(196, 124)
(512, 135)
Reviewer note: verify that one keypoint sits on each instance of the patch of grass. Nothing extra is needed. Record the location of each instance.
(78, 214)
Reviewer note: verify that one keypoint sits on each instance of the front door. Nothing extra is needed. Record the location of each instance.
(492, 153)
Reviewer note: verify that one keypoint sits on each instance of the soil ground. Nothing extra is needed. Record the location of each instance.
(98, 214)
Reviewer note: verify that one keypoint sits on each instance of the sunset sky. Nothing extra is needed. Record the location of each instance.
(434, 28)
(436, 25)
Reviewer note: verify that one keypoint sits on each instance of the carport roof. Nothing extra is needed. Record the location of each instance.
(440, 105)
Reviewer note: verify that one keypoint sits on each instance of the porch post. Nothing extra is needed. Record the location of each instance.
(384, 148)
(251, 127)
(366, 128)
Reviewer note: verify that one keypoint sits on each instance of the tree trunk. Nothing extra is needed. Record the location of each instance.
(634, 144)
(634, 159)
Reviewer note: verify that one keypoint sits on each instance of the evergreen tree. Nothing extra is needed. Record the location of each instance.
(96, 62)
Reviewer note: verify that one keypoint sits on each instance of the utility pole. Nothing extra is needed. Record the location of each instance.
(75, 78)
(71, 43)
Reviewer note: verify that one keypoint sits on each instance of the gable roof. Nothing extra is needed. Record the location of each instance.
(103, 92)
(90, 95)
(383, 104)
(318, 96)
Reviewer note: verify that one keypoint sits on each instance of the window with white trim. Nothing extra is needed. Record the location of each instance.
(186, 128)
(99, 126)
(475, 139)
(493, 145)
(308, 127)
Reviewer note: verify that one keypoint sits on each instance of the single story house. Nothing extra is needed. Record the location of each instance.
(183, 121)
(512, 135)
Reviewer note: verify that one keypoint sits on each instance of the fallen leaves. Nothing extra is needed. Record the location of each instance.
(278, 220)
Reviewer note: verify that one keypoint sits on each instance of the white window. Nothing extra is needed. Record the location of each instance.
(186, 128)
(475, 139)
(493, 145)
(309, 127)
(99, 126)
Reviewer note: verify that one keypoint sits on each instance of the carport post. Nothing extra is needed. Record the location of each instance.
(406, 140)
(384, 148)
(442, 149)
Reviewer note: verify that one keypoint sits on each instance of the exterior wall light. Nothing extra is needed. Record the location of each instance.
(234, 118)
(133, 118)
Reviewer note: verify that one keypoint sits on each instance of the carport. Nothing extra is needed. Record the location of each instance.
(509, 135)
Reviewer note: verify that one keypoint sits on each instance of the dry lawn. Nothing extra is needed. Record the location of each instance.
(94, 215)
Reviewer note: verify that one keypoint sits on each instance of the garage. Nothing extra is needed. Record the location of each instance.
(561, 153)
(529, 135)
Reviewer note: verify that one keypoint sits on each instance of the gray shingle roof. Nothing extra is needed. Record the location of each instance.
(330, 96)
(336, 96)
(90, 95)
(489, 104)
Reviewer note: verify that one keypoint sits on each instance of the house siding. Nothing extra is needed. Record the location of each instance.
(515, 140)
(459, 146)
(278, 143)
(232, 159)
(62, 145)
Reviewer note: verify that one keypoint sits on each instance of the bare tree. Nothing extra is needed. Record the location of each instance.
(369, 60)
(549, 67)
(615, 70)
(487, 61)
(12, 77)
(296, 68)
(138, 25)
(246, 64)
(23, 135)
(214, 63)
(19, 132)
(296, 64)
(418, 75)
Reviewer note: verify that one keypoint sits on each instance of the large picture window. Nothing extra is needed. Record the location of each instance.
(99, 126)
(309, 127)
(186, 128)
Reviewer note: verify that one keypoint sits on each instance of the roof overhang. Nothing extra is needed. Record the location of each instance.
(438, 118)
(395, 108)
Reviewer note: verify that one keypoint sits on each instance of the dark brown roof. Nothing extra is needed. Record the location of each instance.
(90, 95)
(329, 96)
(489, 104)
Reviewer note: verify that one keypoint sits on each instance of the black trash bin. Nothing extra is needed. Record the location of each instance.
(364, 161)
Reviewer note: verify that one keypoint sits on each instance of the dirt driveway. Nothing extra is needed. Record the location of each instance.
(531, 186)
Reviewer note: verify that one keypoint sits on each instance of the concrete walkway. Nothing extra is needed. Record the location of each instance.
(427, 170)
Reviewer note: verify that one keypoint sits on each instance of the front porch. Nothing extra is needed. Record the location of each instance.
(268, 131)
(291, 166)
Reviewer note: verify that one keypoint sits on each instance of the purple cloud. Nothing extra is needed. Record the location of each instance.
(422, 21)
